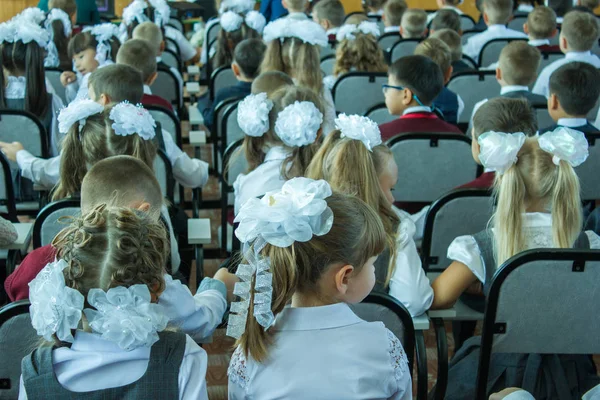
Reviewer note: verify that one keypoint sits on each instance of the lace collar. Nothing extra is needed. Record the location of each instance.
(15, 89)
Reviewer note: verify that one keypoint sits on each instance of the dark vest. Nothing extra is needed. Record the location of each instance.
(447, 103)
(532, 98)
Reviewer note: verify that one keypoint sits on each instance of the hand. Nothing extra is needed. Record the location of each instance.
(229, 280)
(10, 149)
(67, 78)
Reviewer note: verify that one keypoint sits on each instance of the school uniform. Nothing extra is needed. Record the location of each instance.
(238, 91)
(485, 181)
(579, 124)
(460, 66)
(332, 36)
(389, 29)
(297, 16)
(543, 45)
(149, 99)
(431, 16)
(542, 84)
(450, 104)
(476, 42)
(186, 50)
(515, 92)
(324, 352)
(416, 119)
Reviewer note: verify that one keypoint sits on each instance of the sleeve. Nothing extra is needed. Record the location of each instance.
(464, 249)
(419, 221)
(198, 315)
(238, 376)
(8, 233)
(461, 107)
(40, 171)
(543, 80)
(329, 117)
(22, 392)
(189, 172)
(17, 283)
(594, 240)
(56, 136)
(192, 372)
(399, 363)
(185, 47)
(71, 91)
(239, 199)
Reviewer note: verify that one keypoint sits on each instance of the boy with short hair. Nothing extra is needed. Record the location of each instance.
(247, 56)
(296, 9)
(446, 19)
(449, 5)
(452, 39)
(448, 102)
(392, 15)
(330, 15)
(574, 92)
(578, 34)
(541, 27)
(496, 14)
(413, 83)
(413, 24)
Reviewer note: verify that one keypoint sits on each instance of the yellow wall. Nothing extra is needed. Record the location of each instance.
(10, 8)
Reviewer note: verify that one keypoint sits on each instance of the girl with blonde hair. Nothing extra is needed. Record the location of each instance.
(353, 161)
(309, 254)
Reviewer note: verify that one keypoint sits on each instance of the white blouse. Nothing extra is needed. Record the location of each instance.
(537, 230)
(324, 353)
(476, 42)
(186, 50)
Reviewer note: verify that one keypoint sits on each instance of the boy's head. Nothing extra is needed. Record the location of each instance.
(68, 6)
(295, 5)
(439, 52)
(497, 12)
(502, 114)
(116, 83)
(561, 7)
(446, 19)
(518, 64)
(140, 55)
(356, 19)
(150, 32)
(413, 24)
(452, 40)
(247, 56)
(329, 14)
(373, 5)
(574, 90)
(392, 12)
(121, 181)
(270, 82)
(416, 80)
(579, 31)
(541, 23)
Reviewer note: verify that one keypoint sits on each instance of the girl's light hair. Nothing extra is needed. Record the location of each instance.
(356, 235)
(535, 181)
(299, 60)
(95, 142)
(362, 54)
(352, 169)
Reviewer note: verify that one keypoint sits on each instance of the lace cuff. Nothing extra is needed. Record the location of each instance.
(237, 371)
(398, 358)
(464, 249)
(594, 240)
(213, 284)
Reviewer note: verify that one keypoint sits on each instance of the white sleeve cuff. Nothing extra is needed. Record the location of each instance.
(594, 240)
(464, 249)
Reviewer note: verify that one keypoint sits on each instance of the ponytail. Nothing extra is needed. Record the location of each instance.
(61, 42)
(73, 165)
(273, 59)
(566, 207)
(305, 65)
(254, 150)
(36, 97)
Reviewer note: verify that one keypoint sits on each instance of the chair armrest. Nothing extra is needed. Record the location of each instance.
(195, 115)
(199, 231)
(193, 70)
(193, 88)
(421, 322)
(197, 138)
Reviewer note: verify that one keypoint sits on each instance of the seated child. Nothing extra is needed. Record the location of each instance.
(374, 7)
(500, 114)
(336, 239)
(296, 9)
(578, 34)
(413, 83)
(446, 19)
(453, 41)
(496, 14)
(59, 24)
(541, 27)
(270, 82)
(574, 92)
(330, 15)
(446, 5)
(247, 58)
(588, 5)
(447, 102)
(413, 24)
(392, 15)
(234, 29)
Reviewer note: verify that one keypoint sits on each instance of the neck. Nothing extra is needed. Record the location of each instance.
(310, 300)
(537, 206)
(568, 116)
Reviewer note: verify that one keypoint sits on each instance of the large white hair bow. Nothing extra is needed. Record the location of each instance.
(297, 125)
(565, 144)
(359, 128)
(24, 30)
(7, 32)
(253, 114)
(32, 14)
(77, 111)
(135, 12)
(238, 6)
(130, 120)
(498, 151)
(307, 31)
(349, 31)
(231, 21)
(162, 12)
(103, 34)
(256, 21)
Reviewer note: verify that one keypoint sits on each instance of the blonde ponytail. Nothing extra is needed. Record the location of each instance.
(566, 207)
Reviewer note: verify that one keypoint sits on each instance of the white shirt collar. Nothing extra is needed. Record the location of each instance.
(416, 109)
(93, 342)
(312, 318)
(578, 54)
(513, 88)
(497, 27)
(537, 219)
(526, 8)
(332, 31)
(389, 29)
(571, 122)
(15, 88)
(539, 42)
(277, 153)
(158, 59)
(147, 89)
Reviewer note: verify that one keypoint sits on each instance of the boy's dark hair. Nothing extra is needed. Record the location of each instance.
(119, 82)
(248, 55)
(502, 114)
(419, 74)
(577, 86)
(446, 19)
(139, 54)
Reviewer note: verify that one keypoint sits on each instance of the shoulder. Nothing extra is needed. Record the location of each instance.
(238, 369)
(594, 240)
(397, 359)
(451, 128)
(465, 250)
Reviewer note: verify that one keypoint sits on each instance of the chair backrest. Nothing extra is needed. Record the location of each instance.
(517, 23)
(172, 45)
(460, 212)
(167, 86)
(168, 121)
(542, 302)
(469, 61)
(164, 175)
(53, 76)
(17, 339)
(327, 51)
(230, 129)
(213, 33)
(405, 47)
(466, 22)
(176, 23)
(544, 119)
(171, 58)
(548, 57)
(490, 53)
(379, 114)
(219, 116)
(347, 86)
(424, 161)
(327, 64)
(387, 40)
(221, 78)
(467, 34)
(234, 164)
(588, 171)
(48, 222)
(472, 87)
(7, 190)
(24, 127)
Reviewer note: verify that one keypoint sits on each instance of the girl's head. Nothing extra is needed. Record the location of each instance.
(293, 48)
(358, 49)
(234, 29)
(327, 257)
(58, 25)
(139, 12)
(93, 48)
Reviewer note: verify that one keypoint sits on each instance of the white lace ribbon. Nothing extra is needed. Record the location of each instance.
(359, 128)
(498, 150)
(130, 120)
(77, 111)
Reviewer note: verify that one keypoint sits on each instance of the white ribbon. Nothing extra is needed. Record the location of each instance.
(565, 144)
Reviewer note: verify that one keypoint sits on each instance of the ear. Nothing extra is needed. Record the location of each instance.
(525, 28)
(554, 32)
(284, 4)
(163, 45)
(145, 207)
(448, 74)
(383, 18)
(104, 99)
(563, 42)
(553, 102)
(401, 30)
(407, 96)
(498, 74)
(425, 32)
(342, 277)
(486, 19)
(152, 78)
(235, 68)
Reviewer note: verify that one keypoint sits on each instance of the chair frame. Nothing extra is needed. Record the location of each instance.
(469, 61)
(11, 203)
(209, 70)
(44, 136)
(226, 189)
(179, 62)
(174, 118)
(213, 76)
(170, 180)
(215, 138)
(46, 212)
(178, 107)
(391, 52)
(7, 312)
(372, 77)
(466, 16)
(485, 46)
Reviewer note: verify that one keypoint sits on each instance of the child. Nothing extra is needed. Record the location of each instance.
(413, 24)
(578, 34)
(282, 135)
(453, 41)
(500, 114)
(296, 9)
(588, 5)
(68, 6)
(496, 14)
(353, 161)
(374, 8)
(446, 19)
(247, 58)
(292, 48)
(449, 103)
(58, 26)
(413, 83)
(574, 91)
(541, 27)
(392, 15)
(320, 264)
(446, 5)
(330, 15)
(234, 29)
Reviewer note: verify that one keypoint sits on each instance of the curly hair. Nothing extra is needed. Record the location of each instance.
(362, 54)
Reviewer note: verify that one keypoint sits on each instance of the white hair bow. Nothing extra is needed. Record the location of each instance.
(130, 120)
(348, 31)
(308, 31)
(103, 34)
(359, 128)
(23, 30)
(498, 151)
(32, 14)
(256, 21)
(77, 111)
(565, 144)
(231, 21)
(253, 114)
(298, 124)
(162, 12)
(238, 6)
(56, 14)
